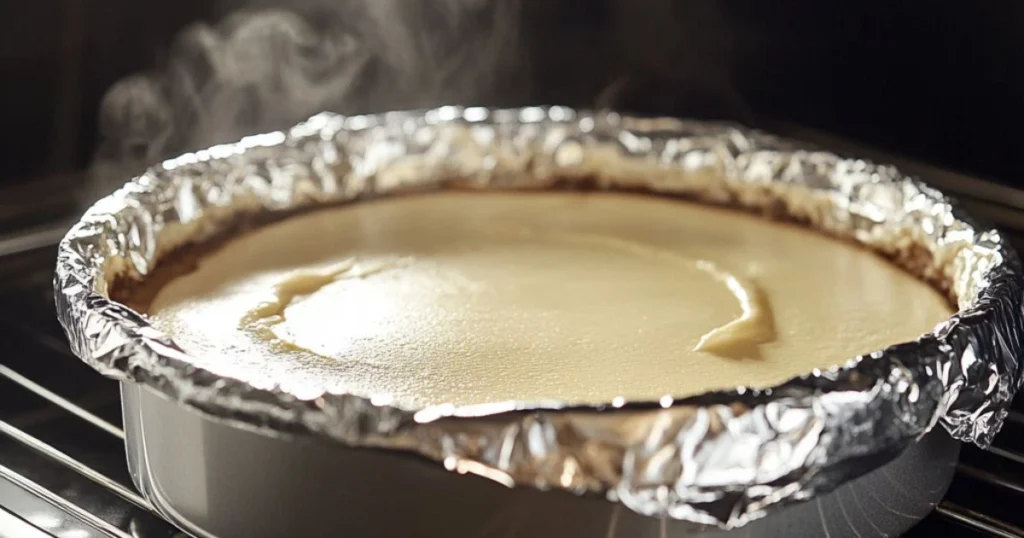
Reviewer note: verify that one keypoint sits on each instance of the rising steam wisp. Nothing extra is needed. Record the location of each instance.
(265, 67)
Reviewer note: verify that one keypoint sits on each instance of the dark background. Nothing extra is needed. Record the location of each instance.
(938, 80)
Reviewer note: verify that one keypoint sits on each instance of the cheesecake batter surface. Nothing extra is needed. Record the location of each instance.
(472, 298)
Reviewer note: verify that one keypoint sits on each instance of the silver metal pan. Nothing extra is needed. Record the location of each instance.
(226, 451)
(217, 480)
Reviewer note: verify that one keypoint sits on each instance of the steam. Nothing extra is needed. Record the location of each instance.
(265, 67)
(272, 63)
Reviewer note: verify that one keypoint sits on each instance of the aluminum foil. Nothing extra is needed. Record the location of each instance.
(717, 459)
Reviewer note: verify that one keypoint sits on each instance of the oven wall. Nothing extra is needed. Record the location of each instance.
(941, 80)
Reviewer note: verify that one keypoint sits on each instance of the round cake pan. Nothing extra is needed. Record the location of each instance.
(864, 447)
(219, 481)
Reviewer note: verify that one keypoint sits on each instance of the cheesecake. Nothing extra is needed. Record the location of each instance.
(550, 296)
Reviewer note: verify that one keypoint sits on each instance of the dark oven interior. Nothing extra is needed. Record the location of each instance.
(935, 86)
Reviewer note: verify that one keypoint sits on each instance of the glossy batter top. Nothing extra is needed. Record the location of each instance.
(471, 298)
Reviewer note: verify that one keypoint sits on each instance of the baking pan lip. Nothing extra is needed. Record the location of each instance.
(783, 444)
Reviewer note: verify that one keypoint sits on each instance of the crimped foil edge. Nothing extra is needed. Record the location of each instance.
(720, 459)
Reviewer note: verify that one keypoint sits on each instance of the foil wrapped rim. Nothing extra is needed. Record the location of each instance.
(720, 459)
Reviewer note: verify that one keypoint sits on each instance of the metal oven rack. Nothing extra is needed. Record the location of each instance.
(62, 464)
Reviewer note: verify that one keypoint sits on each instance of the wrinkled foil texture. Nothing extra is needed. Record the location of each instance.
(719, 459)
